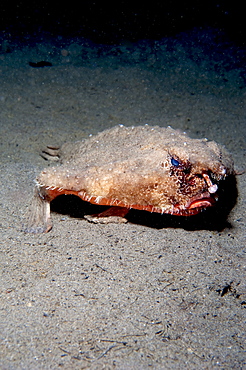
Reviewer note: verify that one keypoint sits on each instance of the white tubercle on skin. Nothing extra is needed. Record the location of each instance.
(212, 189)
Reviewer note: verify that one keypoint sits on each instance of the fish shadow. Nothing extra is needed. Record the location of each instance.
(213, 219)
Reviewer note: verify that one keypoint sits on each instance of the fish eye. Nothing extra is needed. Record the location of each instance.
(175, 162)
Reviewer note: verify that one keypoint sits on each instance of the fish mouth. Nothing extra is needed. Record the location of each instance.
(200, 201)
(195, 205)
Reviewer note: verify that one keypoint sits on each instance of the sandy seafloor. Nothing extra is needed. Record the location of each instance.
(167, 294)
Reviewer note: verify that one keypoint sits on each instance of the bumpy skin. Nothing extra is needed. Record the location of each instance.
(144, 167)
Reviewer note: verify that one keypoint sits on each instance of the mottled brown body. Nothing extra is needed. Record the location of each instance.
(144, 167)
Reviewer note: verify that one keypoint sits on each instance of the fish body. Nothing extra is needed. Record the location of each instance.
(149, 168)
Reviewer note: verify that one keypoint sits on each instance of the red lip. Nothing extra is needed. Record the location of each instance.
(195, 205)
(203, 200)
